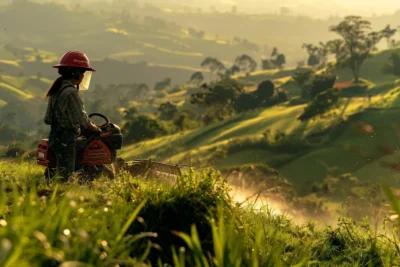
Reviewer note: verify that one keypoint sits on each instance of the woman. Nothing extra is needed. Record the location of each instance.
(66, 111)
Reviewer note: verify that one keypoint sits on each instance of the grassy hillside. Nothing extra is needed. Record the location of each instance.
(194, 222)
(333, 145)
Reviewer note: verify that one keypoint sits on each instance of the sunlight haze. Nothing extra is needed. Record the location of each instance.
(314, 8)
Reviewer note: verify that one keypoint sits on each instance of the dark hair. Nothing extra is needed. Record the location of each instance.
(67, 73)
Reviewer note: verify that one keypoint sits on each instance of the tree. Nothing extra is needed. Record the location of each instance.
(213, 64)
(167, 110)
(274, 52)
(321, 83)
(267, 64)
(179, 121)
(142, 127)
(232, 70)
(143, 90)
(129, 113)
(387, 33)
(393, 67)
(321, 103)
(316, 54)
(302, 80)
(219, 95)
(265, 90)
(162, 84)
(312, 51)
(218, 99)
(323, 52)
(337, 48)
(246, 101)
(197, 77)
(279, 61)
(359, 42)
(246, 63)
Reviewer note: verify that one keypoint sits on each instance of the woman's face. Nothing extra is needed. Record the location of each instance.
(81, 78)
(78, 81)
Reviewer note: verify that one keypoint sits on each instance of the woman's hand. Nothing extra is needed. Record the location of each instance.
(94, 128)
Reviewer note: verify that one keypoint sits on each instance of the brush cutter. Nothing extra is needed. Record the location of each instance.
(97, 155)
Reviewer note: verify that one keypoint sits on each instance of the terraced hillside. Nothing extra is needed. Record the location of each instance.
(139, 48)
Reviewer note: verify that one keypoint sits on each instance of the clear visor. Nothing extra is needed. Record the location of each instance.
(84, 85)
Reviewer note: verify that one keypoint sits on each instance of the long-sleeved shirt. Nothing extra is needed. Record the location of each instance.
(69, 109)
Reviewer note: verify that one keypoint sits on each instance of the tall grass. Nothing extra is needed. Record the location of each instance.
(134, 222)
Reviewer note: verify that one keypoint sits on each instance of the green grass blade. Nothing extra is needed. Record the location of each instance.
(129, 221)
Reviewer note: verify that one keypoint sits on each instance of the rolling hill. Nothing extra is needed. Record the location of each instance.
(371, 155)
(146, 50)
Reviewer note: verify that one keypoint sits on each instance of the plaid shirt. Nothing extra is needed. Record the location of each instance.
(70, 109)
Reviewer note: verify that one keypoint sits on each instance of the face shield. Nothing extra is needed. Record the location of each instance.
(85, 83)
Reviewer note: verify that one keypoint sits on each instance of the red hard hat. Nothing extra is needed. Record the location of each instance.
(74, 59)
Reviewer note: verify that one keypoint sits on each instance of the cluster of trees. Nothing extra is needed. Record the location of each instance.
(243, 63)
(116, 95)
(141, 127)
(168, 119)
(388, 33)
(319, 90)
(216, 102)
(276, 60)
(353, 48)
(355, 44)
(227, 97)
(154, 24)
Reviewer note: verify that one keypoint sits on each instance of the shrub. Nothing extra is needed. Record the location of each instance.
(142, 127)
(265, 90)
(281, 96)
(246, 101)
(321, 83)
(167, 110)
(393, 67)
(14, 152)
(321, 103)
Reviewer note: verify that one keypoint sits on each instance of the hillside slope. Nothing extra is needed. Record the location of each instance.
(241, 139)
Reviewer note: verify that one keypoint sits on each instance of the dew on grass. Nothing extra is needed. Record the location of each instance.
(67, 232)
(72, 204)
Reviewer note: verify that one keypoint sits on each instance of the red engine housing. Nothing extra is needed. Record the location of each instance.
(43, 153)
(95, 153)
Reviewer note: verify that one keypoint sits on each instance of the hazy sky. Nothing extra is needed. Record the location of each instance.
(319, 8)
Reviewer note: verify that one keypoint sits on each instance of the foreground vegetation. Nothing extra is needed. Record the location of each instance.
(195, 222)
